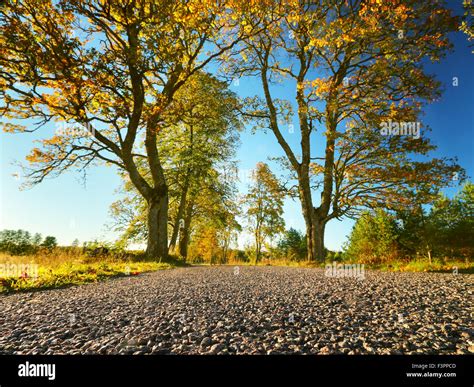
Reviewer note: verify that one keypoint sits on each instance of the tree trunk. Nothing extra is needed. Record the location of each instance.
(258, 245)
(174, 235)
(318, 238)
(185, 231)
(225, 249)
(315, 240)
(180, 214)
(177, 227)
(429, 254)
(310, 237)
(157, 220)
(308, 215)
(183, 242)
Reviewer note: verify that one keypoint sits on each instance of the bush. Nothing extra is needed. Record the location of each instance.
(50, 242)
(18, 242)
(373, 239)
(444, 232)
(292, 246)
(241, 256)
(451, 225)
(333, 256)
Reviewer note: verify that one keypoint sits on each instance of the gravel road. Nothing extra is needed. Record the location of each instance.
(250, 310)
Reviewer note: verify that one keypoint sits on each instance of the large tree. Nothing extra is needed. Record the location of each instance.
(198, 139)
(352, 66)
(112, 68)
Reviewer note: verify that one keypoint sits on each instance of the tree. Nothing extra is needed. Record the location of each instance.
(37, 239)
(16, 242)
(203, 138)
(354, 66)
(373, 238)
(416, 234)
(205, 247)
(444, 231)
(111, 68)
(75, 243)
(49, 242)
(467, 25)
(264, 203)
(451, 223)
(213, 206)
(211, 222)
(293, 245)
(198, 140)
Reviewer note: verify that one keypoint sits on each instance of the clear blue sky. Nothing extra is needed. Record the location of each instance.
(67, 209)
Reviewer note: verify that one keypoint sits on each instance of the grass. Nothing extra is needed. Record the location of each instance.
(416, 265)
(280, 262)
(437, 266)
(67, 267)
(61, 269)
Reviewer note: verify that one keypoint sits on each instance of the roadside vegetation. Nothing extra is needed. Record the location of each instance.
(27, 264)
(436, 239)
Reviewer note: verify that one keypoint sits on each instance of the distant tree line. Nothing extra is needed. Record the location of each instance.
(21, 242)
(446, 231)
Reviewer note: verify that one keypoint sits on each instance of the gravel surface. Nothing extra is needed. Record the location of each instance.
(250, 310)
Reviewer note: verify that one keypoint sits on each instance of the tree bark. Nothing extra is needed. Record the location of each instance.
(157, 220)
(307, 209)
(318, 238)
(257, 248)
(179, 215)
(185, 231)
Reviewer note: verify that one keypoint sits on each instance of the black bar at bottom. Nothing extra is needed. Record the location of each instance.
(310, 370)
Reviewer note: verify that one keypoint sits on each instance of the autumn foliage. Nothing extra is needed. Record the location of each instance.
(128, 75)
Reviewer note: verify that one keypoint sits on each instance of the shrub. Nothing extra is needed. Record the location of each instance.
(50, 242)
(17, 242)
(373, 238)
(292, 246)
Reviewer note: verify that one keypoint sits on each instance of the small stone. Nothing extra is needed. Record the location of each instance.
(324, 350)
(217, 348)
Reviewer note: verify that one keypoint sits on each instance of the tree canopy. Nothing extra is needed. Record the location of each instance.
(129, 85)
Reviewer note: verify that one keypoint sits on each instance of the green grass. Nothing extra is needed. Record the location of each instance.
(264, 262)
(282, 262)
(421, 265)
(69, 274)
(437, 266)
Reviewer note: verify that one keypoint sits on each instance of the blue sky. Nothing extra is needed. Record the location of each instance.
(68, 209)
